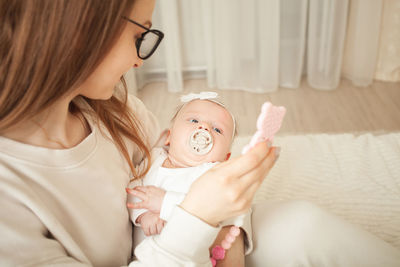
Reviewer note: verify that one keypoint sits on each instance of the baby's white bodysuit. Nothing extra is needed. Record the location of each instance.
(176, 182)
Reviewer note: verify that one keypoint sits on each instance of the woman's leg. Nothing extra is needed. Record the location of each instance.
(299, 233)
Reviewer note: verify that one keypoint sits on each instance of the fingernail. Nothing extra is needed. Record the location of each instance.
(127, 190)
(129, 205)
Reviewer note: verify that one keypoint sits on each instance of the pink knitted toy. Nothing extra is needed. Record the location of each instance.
(268, 124)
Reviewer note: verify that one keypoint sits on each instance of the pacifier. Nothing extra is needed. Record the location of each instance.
(200, 142)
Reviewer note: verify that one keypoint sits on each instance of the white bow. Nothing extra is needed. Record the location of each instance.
(202, 96)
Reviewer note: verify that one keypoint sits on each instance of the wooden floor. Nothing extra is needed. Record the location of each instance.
(346, 109)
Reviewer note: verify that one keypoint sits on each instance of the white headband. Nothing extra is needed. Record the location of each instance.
(201, 95)
(211, 96)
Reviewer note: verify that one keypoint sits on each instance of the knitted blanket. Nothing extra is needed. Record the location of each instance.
(354, 177)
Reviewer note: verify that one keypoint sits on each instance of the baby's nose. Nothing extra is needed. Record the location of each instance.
(204, 126)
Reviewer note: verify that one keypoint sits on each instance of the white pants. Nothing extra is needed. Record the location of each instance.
(299, 233)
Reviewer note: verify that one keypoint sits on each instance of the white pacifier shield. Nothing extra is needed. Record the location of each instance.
(200, 142)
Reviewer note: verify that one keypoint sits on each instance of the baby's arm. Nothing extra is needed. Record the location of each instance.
(146, 207)
(151, 198)
(155, 207)
(156, 200)
(134, 214)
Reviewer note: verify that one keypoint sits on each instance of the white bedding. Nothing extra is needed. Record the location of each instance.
(355, 177)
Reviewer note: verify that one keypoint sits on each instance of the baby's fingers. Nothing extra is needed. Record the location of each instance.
(137, 193)
(154, 229)
(146, 231)
(160, 226)
(138, 205)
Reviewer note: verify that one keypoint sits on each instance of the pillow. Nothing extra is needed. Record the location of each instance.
(354, 177)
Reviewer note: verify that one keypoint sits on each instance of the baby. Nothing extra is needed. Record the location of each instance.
(200, 136)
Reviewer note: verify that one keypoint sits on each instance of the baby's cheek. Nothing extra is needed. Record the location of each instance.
(219, 154)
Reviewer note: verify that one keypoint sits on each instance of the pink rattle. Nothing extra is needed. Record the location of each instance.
(268, 124)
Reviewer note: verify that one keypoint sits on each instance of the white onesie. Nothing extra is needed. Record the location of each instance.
(176, 182)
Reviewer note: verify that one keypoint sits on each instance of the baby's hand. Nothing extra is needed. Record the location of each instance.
(151, 223)
(151, 196)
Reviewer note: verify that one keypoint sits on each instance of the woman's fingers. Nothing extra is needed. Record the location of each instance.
(247, 162)
(257, 175)
(229, 186)
(251, 188)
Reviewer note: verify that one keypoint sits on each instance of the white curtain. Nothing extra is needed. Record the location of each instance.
(362, 43)
(388, 66)
(261, 45)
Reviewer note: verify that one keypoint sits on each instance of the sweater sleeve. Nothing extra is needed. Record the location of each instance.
(244, 221)
(26, 241)
(184, 241)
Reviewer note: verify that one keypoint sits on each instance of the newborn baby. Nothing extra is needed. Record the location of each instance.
(200, 137)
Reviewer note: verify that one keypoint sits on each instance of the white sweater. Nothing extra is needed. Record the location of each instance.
(68, 207)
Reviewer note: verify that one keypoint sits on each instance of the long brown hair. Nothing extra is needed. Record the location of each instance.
(48, 48)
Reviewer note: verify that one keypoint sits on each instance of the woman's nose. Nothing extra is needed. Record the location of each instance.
(138, 63)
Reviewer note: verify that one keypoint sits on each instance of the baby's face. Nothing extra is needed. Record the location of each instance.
(207, 116)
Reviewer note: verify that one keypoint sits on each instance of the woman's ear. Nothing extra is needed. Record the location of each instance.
(167, 141)
(228, 156)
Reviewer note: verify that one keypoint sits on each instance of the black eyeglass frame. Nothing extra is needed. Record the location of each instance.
(138, 42)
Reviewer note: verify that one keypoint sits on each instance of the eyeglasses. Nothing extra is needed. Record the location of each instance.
(148, 42)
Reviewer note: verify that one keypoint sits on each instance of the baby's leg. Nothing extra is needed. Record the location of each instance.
(299, 233)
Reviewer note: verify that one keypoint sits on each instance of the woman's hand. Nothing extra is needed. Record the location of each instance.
(228, 189)
(151, 196)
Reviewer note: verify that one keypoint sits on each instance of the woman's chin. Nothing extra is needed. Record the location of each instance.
(107, 95)
(100, 96)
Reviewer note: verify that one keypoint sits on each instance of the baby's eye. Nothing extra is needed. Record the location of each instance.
(194, 121)
(217, 130)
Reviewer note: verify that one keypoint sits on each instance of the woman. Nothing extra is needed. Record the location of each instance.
(70, 140)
